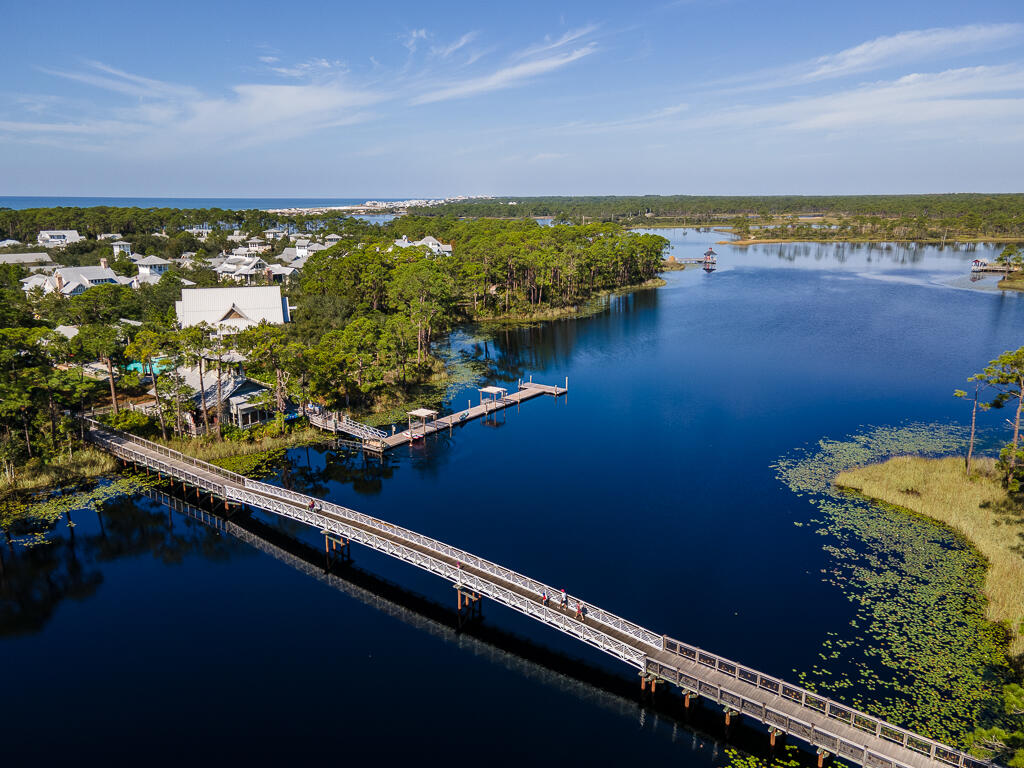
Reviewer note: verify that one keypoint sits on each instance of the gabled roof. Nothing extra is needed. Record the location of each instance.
(217, 305)
(25, 258)
(152, 261)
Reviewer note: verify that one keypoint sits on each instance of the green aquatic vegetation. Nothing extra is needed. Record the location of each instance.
(255, 465)
(31, 521)
(920, 651)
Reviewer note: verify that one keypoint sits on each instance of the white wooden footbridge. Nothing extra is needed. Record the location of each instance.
(832, 728)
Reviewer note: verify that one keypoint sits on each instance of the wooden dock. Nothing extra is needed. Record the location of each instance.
(527, 391)
(497, 399)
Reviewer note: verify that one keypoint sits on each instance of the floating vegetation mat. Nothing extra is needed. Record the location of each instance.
(919, 651)
(31, 521)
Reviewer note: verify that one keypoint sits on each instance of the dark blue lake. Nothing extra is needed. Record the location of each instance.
(144, 636)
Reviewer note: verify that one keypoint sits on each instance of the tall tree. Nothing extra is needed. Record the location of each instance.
(1005, 374)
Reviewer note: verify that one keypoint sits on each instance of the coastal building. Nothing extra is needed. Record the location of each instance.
(200, 231)
(152, 267)
(72, 281)
(332, 239)
(26, 259)
(9, 243)
(121, 247)
(232, 309)
(58, 238)
(109, 236)
(242, 401)
(256, 245)
(436, 246)
(241, 267)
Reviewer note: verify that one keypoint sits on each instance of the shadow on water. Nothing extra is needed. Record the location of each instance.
(661, 713)
(35, 580)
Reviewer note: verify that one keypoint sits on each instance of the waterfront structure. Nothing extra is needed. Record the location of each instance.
(232, 309)
(58, 238)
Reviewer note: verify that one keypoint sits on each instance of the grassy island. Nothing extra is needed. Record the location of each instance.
(975, 507)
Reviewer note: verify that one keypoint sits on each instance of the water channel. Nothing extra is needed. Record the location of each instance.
(142, 635)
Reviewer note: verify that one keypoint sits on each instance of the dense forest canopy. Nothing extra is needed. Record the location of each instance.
(967, 214)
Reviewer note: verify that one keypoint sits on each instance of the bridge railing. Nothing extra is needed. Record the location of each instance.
(635, 631)
(824, 706)
(295, 509)
(117, 436)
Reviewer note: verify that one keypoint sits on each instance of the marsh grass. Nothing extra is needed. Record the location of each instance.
(66, 469)
(208, 449)
(977, 508)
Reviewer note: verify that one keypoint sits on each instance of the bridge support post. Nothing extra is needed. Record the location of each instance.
(728, 716)
(823, 755)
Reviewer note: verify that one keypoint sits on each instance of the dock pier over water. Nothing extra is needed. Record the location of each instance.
(424, 421)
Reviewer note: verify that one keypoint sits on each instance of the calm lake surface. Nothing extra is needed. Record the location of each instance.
(144, 636)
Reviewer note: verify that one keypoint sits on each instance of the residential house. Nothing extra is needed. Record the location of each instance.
(58, 238)
(109, 236)
(256, 245)
(232, 309)
(274, 234)
(152, 266)
(199, 232)
(332, 239)
(9, 243)
(26, 259)
(71, 281)
(436, 246)
(242, 403)
(241, 267)
(120, 246)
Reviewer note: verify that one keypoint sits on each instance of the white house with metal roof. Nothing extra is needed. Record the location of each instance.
(58, 238)
(436, 246)
(232, 309)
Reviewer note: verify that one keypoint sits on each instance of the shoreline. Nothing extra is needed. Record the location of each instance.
(926, 241)
(938, 490)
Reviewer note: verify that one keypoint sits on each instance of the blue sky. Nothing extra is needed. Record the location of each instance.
(430, 99)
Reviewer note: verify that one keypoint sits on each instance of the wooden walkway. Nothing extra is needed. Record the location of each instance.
(827, 725)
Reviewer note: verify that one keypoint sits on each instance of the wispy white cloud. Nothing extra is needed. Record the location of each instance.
(269, 59)
(910, 46)
(522, 66)
(886, 51)
(637, 122)
(505, 77)
(314, 67)
(444, 51)
(102, 76)
(411, 38)
(550, 44)
(176, 118)
(942, 103)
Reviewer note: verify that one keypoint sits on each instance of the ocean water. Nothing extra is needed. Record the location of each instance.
(224, 203)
